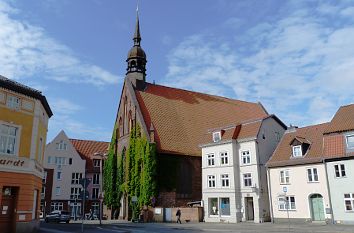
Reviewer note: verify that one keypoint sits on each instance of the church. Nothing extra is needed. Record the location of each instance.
(179, 122)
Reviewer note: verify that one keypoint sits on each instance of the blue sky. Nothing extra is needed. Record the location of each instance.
(296, 57)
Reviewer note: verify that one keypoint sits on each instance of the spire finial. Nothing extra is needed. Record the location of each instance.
(137, 37)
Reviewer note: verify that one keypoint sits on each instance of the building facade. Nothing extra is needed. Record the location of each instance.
(24, 115)
(297, 177)
(233, 171)
(339, 157)
(68, 167)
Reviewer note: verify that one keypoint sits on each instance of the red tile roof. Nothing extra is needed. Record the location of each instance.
(87, 149)
(313, 134)
(181, 118)
(343, 120)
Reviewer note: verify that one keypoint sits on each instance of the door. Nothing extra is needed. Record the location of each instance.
(317, 208)
(249, 209)
(7, 210)
(167, 215)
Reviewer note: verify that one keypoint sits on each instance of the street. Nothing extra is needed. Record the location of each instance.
(128, 227)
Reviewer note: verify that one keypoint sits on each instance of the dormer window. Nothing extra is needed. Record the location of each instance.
(217, 136)
(297, 151)
(350, 141)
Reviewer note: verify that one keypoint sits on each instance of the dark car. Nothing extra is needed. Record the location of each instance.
(58, 216)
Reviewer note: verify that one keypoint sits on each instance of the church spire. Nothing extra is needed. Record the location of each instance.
(136, 60)
(137, 37)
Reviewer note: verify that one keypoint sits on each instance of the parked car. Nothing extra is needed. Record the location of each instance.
(58, 216)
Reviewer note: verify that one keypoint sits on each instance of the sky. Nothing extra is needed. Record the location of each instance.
(295, 57)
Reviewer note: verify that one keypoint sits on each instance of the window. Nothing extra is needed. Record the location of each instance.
(44, 179)
(217, 136)
(43, 192)
(58, 175)
(8, 139)
(211, 181)
(56, 206)
(50, 160)
(349, 201)
(96, 163)
(224, 158)
(297, 152)
(61, 145)
(211, 159)
(57, 191)
(339, 170)
(60, 161)
(246, 157)
(95, 192)
(277, 136)
(287, 202)
(225, 206)
(284, 177)
(312, 175)
(213, 206)
(96, 179)
(70, 161)
(96, 207)
(247, 179)
(225, 180)
(13, 102)
(75, 178)
(350, 141)
(75, 192)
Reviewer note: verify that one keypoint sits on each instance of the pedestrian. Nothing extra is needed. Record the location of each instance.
(178, 214)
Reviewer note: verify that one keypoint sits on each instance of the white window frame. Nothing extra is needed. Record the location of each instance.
(225, 180)
(285, 201)
(96, 162)
(285, 178)
(75, 192)
(61, 145)
(75, 177)
(210, 159)
(247, 178)
(245, 154)
(294, 149)
(211, 179)
(224, 158)
(57, 191)
(351, 200)
(96, 177)
(346, 140)
(59, 177)
(310, 172)
(56, 206)
(13, 102)
(340, 170)
(217, 136)
(95, 193)
(216, 207)
(17, 137)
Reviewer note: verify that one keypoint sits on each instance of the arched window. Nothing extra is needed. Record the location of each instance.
(120, 128)
(130, 123)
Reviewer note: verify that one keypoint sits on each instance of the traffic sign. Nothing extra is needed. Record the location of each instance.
(84, 192)
(85, 182)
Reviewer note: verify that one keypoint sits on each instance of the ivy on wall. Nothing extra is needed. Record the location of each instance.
(132, 173)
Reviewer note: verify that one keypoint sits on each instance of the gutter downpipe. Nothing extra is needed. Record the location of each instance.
(329, 191)
(270, 196)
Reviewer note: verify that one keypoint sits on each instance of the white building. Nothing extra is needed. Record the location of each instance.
(68, 168)
(339, 154)
(234, 184)
(298, 180)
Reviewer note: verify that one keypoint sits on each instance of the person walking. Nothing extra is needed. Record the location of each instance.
(178, 214)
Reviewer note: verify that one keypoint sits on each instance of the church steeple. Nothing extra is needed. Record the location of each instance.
(136, 60)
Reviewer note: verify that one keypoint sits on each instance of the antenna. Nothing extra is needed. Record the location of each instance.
(137, 7)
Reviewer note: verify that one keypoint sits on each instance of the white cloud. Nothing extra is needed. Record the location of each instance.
(300, 67)
(27, 51)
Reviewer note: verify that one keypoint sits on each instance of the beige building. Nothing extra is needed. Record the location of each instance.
(297, 177)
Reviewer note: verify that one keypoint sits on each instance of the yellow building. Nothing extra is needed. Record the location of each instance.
(24, 114)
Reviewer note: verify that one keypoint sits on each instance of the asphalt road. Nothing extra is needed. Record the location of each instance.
(128, 227)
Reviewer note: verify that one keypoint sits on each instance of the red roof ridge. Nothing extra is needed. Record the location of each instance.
(217, 96)
(87, 140)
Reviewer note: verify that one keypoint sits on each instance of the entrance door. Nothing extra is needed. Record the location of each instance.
(7, 210)
(317, 208)
(249, 209)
